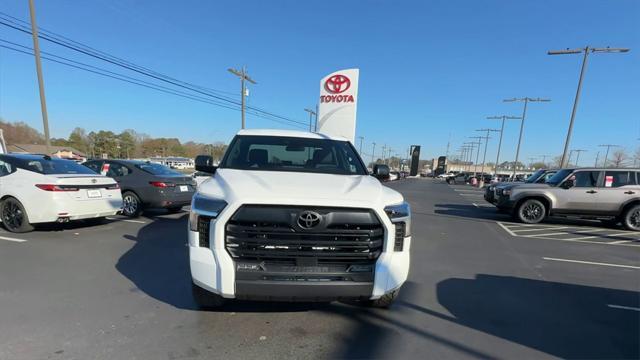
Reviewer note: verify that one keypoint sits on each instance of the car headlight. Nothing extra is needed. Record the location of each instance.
(400, 213)
(204, 206)
(506, 192)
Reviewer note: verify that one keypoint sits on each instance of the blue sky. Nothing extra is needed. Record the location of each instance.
(427, 68)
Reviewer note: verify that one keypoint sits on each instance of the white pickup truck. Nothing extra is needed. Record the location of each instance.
(295, 216)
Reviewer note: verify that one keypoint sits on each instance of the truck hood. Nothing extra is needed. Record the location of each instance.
(276, 186)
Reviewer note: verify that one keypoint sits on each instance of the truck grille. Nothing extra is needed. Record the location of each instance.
(272, 234)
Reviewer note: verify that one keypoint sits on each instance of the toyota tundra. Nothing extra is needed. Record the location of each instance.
(295, 216)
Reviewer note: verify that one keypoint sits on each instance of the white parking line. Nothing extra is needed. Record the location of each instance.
(12, 239)
(545, 228)
(505, 228)
(623, 307)
(467, 190)
(127, 220)
(591, 263)
(571, 233)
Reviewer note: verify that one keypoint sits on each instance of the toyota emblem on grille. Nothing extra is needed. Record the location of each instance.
(94, 181)
(309, 219)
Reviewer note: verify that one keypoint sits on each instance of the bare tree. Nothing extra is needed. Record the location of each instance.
(619, 158)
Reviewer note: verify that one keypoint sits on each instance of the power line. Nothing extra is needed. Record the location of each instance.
(110, 74)
(101, 55)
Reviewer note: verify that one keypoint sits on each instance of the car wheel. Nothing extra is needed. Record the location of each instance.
(531, 211)
(174, 209)
(205, 299)
(14, 217)
(131, 205)
(631, 218)
(385, 300)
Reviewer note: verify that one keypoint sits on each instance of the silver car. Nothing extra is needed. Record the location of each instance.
(609, 195)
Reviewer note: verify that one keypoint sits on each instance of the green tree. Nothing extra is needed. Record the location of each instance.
(127, 142)
(105, 143)
(79, 140)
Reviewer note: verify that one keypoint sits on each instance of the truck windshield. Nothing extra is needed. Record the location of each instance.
(280, 153)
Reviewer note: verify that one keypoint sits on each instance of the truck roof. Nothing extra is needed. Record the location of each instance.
(289, 133)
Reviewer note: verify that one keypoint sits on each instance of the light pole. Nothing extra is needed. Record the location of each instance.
(361, 140)
(586, 50)
(578, 151)
(525, 100)
(373, 152)
(242, 74)
(484, 157)
(36, 53)
(311, 114)
(606, 154)
(475, 165)
(503, 117)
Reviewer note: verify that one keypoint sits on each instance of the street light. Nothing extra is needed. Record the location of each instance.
(606, 156)
(526, 100)
(503, 117)
(586, 50)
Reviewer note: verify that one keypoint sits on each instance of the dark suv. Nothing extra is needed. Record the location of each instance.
(147, 185)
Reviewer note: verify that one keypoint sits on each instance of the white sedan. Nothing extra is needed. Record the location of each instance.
(40, 189)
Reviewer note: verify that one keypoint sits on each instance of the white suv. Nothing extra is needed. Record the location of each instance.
(295, 216)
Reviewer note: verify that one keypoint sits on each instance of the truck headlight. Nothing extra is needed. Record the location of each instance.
(506, 192)
(204, 206)
(400, 213)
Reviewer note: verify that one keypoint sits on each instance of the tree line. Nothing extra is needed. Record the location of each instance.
(127, 144)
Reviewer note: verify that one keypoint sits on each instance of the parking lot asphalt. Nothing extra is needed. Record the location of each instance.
(480, 286)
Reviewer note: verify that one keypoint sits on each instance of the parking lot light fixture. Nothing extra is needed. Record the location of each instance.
(525, 100)
(504, 118)
(586, 51)
(606, 154)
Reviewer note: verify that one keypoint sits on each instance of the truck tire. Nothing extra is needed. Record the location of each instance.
(531, 211)
(631, 218)
(14, 216)
(385, 300)
(205, 299)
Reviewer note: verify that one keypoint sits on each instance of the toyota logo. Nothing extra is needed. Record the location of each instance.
(94, 181)
(309, 219)
(337, 84)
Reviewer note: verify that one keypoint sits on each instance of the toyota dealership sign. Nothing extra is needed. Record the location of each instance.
(338, 100)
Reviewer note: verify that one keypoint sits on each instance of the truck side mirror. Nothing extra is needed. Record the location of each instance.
(204, 163)
(381, 172)
(568, 184)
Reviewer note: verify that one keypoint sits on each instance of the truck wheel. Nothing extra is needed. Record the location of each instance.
(631, 218)
(14, 216)
(205, 299)
(385, 300)
(531, 211)
(131, 205)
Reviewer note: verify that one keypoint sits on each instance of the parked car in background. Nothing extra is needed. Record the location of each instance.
(147, 185)
(394, 175)
(539, 177)
(40, 189)
(609, 195)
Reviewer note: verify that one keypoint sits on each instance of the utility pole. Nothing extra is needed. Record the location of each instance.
(544, 158)
(373, 152)
(484, 157)
(597, 156)
(361, 140)
(504, 118)
(43, 100)
(311, 113)
(606, 156)
(526, 100)
(242, 74)
(384, 147)
(470, 147)
(586, 50)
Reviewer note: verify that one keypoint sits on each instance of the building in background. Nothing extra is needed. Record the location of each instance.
(179, 163)
(62, 152)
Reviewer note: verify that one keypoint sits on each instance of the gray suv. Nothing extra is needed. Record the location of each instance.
(609, 195)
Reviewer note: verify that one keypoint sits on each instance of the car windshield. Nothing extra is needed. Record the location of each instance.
(558, 177)
(279, 153)
(156, 169)
(534, 177)
(55, 167)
